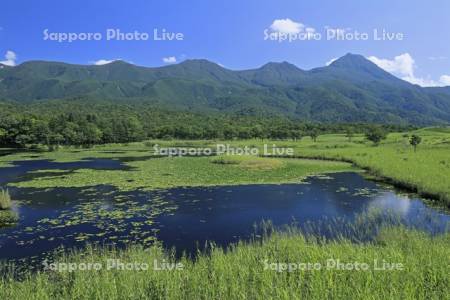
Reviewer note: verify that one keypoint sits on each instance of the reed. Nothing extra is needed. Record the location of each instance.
(5, 199)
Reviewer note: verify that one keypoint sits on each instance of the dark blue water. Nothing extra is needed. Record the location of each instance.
(227, 214)
(185, 218)
(20, 169)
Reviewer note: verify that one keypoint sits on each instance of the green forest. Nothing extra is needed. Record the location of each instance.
(85, 124)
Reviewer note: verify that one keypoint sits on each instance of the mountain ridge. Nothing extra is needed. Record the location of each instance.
(350, 89)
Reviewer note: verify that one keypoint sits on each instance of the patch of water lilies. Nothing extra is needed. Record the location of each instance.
(114, 218)
(366, 192)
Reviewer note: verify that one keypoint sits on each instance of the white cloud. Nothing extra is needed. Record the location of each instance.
(286, 26)
(287, 29)
(102, 62)
(425, 82)
(331, 61)
(445, 79)
(169, 60)
(11, 58)
(403, 66)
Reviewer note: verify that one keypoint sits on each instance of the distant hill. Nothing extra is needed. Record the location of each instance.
(351, 89)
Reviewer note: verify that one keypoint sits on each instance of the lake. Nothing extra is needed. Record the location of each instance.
(186, 218)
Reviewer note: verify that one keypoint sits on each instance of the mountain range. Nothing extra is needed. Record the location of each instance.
(351, 89)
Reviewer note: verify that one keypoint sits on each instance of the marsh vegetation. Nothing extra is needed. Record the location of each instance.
(5, 199)
(123, 191)
(256, 270)
(7, 217)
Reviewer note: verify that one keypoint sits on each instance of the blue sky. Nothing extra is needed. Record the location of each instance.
(232, 33)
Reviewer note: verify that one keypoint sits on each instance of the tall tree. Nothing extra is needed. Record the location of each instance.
(376, 135)
(415, 141)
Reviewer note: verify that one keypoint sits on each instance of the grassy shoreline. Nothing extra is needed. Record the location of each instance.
(374, 175)
(256, 270)
(426, 172)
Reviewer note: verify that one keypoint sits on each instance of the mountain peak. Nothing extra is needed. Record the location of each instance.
(285, 69)
(118, 62)
(352, 60)
(199, 62)
(275, 73)
(279, 66)
(359, 68)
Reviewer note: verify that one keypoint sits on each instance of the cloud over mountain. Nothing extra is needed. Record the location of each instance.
(403, 66)
(10, 59)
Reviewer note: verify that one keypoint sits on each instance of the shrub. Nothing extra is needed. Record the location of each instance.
(376, 135)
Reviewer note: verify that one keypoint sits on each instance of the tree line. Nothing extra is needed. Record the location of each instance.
(89, 125)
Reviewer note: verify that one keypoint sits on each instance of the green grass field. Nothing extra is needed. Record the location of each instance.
(274, 269)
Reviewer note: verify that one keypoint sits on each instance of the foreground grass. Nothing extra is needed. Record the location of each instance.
(247, 272)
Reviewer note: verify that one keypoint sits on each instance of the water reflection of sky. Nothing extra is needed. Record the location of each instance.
(394, 202)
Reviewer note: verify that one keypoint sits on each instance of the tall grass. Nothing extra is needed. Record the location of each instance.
(5, 199)
(256, 270)
(7, 216)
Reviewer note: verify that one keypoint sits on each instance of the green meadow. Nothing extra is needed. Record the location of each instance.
(399, 264)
